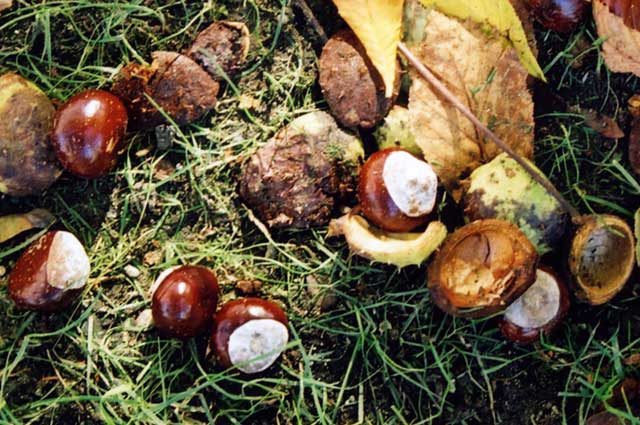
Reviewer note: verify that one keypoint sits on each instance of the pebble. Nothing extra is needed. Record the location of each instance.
(131, 271)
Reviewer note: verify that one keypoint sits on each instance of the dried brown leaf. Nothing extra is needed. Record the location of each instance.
(603, 124)
(634, 145)
(621, 48)
(5, 4)
(14, 224)
(486, 74)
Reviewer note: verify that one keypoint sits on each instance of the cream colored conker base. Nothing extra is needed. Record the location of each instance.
(538, 305)
(67, 264)
(255, 345)
(411, 183)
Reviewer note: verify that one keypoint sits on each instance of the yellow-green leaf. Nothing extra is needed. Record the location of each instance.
(378, 25)
(13, 225)
(500, 15)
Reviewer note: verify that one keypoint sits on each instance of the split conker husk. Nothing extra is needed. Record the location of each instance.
(184, 301)
(376, 195)
(89, 132)
(249, 333)
(482, 268)
(50, 274)
(558, 15)
(539, 310)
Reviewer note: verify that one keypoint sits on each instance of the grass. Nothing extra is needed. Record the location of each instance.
(367, 345)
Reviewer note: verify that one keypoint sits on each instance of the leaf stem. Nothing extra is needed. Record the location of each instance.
(444, 91)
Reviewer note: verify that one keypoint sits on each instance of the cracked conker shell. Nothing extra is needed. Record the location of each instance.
(232, 316)
(221, 48)
(28, 163)
(538, 311)
(88, 133)
(558, 15)
(482, 268)
(351, 85)
(601, 258)
(184, 301)
(50, 274)
(377, 203)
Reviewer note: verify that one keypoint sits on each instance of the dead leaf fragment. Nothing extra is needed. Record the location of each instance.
(485, 74)
(603, 124)
(378, 25)
(634, 145)
(5, 4)
(621, 48)
(13, 225)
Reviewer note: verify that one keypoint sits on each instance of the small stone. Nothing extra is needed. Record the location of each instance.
(3, 271)
(144, 321)
(131, 271)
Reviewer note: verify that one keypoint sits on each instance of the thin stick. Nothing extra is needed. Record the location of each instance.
(311, 18)
(444, 91)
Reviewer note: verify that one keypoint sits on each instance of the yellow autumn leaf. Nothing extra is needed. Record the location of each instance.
(378, 25)
(14, 224)
(498, 14)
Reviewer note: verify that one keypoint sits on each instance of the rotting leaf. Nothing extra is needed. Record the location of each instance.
(634, 145)
(618, 26)
(5, 4)
(636, 231)
(14, 224)
(499, 15)
(485, 74)
(378, 25)
(399, 249)
(603, 124)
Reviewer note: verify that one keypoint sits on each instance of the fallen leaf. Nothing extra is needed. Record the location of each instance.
(603, 124)
(634, 145)
(378, 25)
(621, 47)
(499, 15)
(484, 73)
(13, 225)
(5, 4)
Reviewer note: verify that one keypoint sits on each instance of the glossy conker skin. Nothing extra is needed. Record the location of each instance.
(375, 202)
(184, 302)
(524, 336)
(236, 313)
(88, 133)
(558, 15)
(29, 287)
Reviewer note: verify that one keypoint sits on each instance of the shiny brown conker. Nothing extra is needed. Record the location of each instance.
(50, 274)
(539, 310)
(376, 201)
(88, 133)
(558, 15)
(248, 329)
(184, 301)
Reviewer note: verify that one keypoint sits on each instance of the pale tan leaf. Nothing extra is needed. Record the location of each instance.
(378, 25)
(621, 48)
(5, 4)
(13, 225)
(487, 76)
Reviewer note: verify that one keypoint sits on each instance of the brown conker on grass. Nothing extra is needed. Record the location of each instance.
(538, 311)
(88, 133)
(558, 15)
(350, 83)
(250, 334)
(397, 191)
(184, 301)
(50, 273)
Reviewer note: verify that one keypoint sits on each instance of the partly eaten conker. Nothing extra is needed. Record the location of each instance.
(250, 334)
(184, 301)
(88, 133)
(397, 191)
(538, 311)
(50, 273)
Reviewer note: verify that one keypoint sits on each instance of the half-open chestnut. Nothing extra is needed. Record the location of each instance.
(249, 334)
(88, 133)
(184, 301)
(50, 273)
(538, 311)
(397, 191)
(482, 268)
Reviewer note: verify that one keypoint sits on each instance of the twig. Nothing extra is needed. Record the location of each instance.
(311, 18)
(444, 91)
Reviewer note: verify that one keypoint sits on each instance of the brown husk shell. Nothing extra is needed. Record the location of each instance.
(350, 83)
(28, 163)
(222, 46)
(601, 258)
(482, 268)
(174, 81)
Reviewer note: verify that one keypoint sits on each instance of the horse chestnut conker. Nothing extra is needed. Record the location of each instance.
(184, 301)
(538, 311)
(558, 15)
(250, 334)
(88, 133)
(50, 273)
(397, 191)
